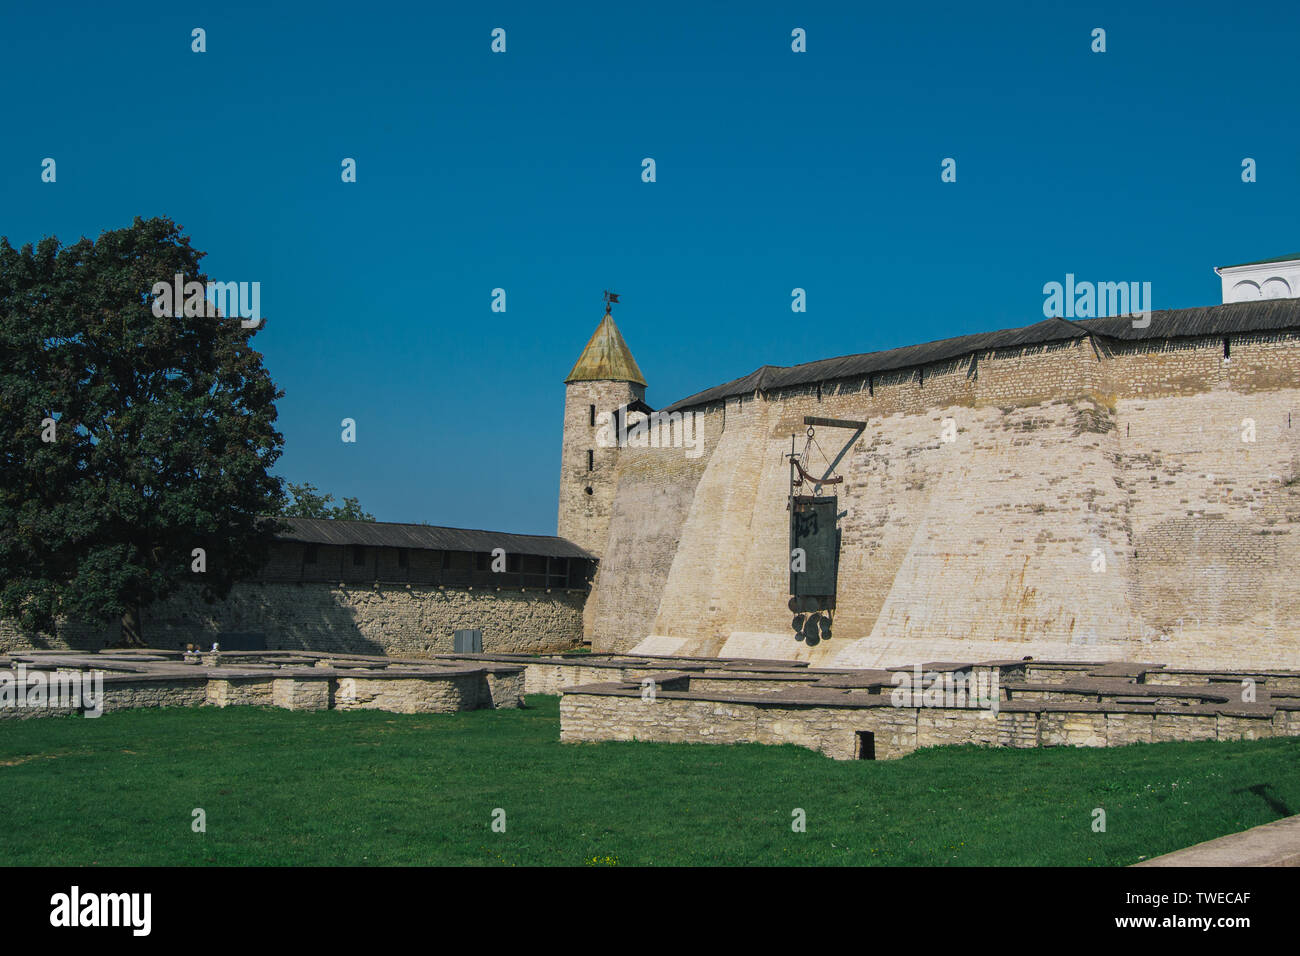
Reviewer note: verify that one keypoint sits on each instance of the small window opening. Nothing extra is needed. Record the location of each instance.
(591, 460)
(593, 415)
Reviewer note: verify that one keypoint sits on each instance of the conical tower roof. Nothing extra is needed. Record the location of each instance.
(606, 358)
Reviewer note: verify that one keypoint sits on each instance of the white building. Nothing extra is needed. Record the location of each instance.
(1266, 279)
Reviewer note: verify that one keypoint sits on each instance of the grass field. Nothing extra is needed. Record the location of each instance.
(373, 788)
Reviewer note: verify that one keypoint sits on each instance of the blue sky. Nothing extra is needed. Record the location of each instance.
(522, 171)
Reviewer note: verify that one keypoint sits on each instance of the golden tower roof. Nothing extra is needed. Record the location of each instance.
(606, 358)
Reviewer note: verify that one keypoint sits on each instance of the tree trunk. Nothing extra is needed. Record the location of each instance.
(131, 634)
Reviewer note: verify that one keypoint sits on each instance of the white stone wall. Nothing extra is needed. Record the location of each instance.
(1270, 280)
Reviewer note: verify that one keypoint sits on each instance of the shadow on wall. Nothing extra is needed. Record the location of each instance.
(68, 635)
(242, 622)
(388, 620)
(289, 619)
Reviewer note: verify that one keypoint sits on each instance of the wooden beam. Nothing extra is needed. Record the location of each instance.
(834, 423)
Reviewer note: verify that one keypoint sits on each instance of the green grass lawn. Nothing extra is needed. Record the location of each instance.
(376, 788)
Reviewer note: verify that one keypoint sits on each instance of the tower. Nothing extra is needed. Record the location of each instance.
(604, 379)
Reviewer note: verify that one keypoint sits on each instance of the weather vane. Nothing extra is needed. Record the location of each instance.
(610, 299)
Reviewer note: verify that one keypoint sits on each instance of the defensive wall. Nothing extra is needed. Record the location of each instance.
(1116, 494)
(1075, 490)
(369, 598)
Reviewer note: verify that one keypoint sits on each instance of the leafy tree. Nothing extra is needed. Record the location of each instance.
(309, 503)
(127, 440)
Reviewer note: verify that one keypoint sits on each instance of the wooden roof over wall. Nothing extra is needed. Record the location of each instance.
(386, 534)
(1230, 319)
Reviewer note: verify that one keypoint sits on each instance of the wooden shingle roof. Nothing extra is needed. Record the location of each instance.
(1229, 319)
(386, 534)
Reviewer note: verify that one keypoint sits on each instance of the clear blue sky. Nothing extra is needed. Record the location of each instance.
(522, 170)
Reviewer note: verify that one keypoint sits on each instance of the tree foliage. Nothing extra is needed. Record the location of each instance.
(307, 502)
(163, 433)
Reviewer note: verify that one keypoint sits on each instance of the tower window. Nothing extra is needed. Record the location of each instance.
(593, 415)
(1227, 349)
(591, 460)
(589, 491)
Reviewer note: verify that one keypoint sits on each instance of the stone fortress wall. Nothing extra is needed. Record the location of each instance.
(987, 546)
(364, 609)
(1097, 502)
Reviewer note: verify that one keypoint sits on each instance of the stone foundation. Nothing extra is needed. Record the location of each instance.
(847, 714)
(266, 679)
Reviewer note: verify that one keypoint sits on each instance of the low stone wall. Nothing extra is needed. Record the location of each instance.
(128, 692)
(123, 692)
(410, 695)
(552, 677)
(551, 674)
(502, 687)
(254, 691)
(614, 712)
(849, 714)
(267, 679)
(303, 694)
